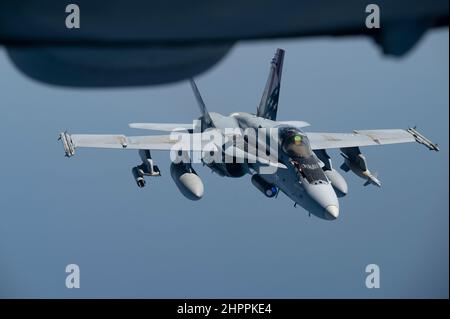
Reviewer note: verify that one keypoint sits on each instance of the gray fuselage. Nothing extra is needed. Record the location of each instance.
(302, 179)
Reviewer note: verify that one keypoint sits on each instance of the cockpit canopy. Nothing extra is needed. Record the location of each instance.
(295, 143)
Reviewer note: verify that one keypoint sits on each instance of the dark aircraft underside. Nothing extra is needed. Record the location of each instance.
(133, 43)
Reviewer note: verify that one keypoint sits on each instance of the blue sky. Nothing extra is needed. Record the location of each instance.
(154, 243)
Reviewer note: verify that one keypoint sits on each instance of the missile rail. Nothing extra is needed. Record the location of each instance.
(422, 139)
(69, 147)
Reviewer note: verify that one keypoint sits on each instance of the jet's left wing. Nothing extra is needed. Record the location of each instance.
(367, 138)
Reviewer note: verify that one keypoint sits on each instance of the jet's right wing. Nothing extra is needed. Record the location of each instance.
(178, 141)
(155, 142)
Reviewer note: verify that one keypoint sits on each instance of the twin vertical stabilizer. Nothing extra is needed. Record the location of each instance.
(269, 101)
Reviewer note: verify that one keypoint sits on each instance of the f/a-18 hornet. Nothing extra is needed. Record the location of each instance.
(278, 155)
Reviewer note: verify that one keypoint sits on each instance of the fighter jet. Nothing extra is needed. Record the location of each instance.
(278, 155)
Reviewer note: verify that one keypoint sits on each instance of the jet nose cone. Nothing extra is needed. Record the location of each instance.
(332, 212)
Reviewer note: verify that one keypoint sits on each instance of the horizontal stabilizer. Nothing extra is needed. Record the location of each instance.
(168, 127)
(298, 124)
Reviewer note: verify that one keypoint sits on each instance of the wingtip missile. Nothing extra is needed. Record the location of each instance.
(68, 145)
(421, 139)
